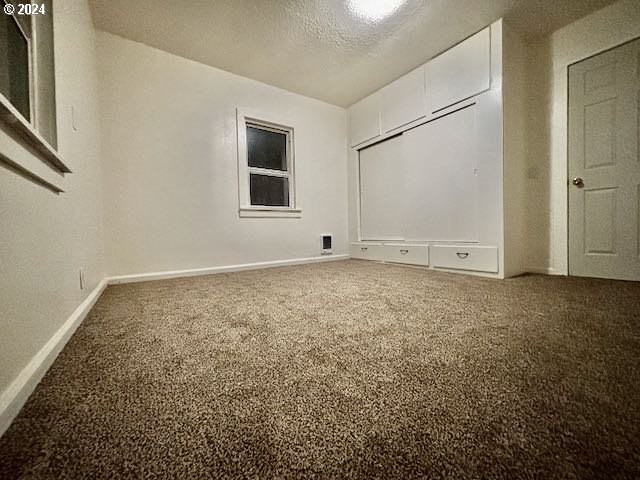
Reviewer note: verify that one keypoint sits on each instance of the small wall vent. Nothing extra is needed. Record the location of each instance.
(327, 243)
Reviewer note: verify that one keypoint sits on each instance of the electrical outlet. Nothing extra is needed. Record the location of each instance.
(81, 277)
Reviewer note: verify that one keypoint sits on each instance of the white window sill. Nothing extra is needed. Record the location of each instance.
(266, 212)
(22, 128)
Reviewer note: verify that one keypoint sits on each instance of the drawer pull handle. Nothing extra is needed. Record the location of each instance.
(462, 255)
(363, 249)
(404, 252)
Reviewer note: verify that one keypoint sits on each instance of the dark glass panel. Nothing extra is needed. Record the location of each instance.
(266, 149)
(14, 65)
(269, 191)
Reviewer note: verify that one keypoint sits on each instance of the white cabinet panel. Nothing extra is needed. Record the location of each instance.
(461, 72)
(406, 253)
(440, 159)
(366, 251)
(364, 119)
(382, 191)
(404, 100)
(465, 257)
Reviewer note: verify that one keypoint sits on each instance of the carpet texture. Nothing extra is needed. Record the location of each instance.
(347, 369)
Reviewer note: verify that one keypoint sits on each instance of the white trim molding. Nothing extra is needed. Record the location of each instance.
(262, 212)
(17, 393)
(12, 117)
(146, 277)
(544, 271)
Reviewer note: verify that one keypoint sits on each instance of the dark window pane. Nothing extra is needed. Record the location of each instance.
(266, 149)
(269, 191)
(14, 65)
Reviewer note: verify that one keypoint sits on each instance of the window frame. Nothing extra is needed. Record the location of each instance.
(245, 119)
(31, 67)
(52, 168)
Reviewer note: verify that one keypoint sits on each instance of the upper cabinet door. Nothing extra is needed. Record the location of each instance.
(364, 119)
(404, 100)
(461, 72)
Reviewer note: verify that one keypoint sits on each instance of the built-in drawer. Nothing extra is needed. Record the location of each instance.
(366, 251)
(465, 257)
(406, 253)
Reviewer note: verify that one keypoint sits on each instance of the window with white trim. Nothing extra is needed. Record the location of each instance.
(27, 77)
(27, 86)
(266, 168)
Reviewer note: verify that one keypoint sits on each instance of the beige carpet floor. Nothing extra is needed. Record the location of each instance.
(347, 369)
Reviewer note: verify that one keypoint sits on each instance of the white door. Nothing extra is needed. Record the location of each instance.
(604, 165)
(441, 183)
(382, 191)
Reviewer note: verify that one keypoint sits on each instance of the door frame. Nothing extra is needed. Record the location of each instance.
(567, 173)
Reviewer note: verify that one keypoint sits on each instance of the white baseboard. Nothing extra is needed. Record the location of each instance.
(543, 270)
(18, 392)
(146, 277)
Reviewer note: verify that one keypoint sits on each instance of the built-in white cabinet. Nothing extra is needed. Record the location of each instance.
(404, 101)
(410, 254)
(439, 163)
(465, 257)
(366, 251)
(453, 76)
(364, 120)
(461, 72)
(382, 191)
(432, 184)
(406, 253)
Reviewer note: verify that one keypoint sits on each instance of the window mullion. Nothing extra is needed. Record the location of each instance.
(269, 172)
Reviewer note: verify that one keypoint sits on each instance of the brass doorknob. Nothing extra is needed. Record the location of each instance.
(578, 182)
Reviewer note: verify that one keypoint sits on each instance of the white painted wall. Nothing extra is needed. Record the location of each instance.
(514, 156)
(169, 150)
(45, 238)
(547, 123)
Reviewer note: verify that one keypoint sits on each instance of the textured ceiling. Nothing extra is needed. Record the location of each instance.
(320, 48)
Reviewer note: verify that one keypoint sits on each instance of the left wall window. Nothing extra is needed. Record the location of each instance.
(27, 74)
(15, 59)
